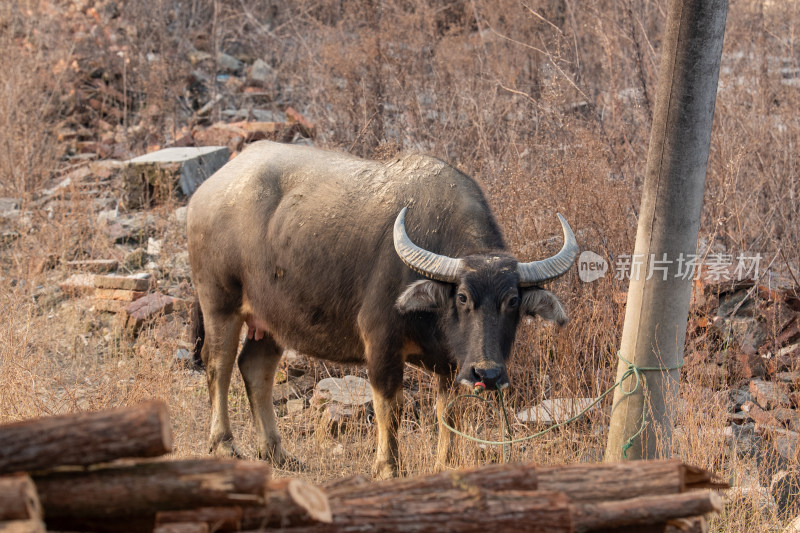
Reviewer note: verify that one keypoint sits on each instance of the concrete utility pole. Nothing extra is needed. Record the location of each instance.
(669, 220)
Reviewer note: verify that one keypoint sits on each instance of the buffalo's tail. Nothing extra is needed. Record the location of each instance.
(198, 334)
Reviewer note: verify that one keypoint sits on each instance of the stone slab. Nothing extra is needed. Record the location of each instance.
(109, 306)
(349, 391)
(160, 173)
(78, 285)
(94, 265)
(137, 282)
(121, 295)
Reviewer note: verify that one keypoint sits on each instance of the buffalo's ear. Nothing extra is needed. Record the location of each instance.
(544, 304)
(423, 295)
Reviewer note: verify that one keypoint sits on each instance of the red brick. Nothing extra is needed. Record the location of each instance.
(146, 308)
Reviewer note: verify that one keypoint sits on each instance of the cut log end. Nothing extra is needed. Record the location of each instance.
(18, 498)
(312, 499)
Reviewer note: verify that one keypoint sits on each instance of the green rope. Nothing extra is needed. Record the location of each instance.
(632, 370)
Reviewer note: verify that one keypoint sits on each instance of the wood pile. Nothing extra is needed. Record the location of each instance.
(75, 473)
(66, 473)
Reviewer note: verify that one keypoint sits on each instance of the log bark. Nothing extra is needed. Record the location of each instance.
(183, 527)
(470, 510)
(132, 494)
(593, 482)
(33, 525)
(290, 503)
(217, 518)
(589, 482)
(86, 438)
(494, 477)
(19, 499)
(644, 510)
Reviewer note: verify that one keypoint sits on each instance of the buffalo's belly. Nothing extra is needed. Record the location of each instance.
(305, 329)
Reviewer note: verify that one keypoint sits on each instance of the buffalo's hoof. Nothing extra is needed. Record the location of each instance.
(226, 449)
(384, 470)
(282, 459)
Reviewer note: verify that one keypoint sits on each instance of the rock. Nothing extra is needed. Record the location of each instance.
(769, 395)
(228, 63)
(133, 229)
(266, 115)
(9, 207)
(184, 356)
(348, 391)
(344, 402)
(554, 410)
(749, 333)
(261, 73)
(179, 216)
(338, 418)
(94, 265)
(791, 378)
(176, 267)
(738, 397)
(78, 285)
(786, 442)
(760, 416)
(153, 246)
(221, 134)
(749, 365)
(746, 443)
(784, 487)
(295, 405)
(136, 282)
(160, 174)
(785, 359)
(147, 308)
(136, 260)
(307, 128)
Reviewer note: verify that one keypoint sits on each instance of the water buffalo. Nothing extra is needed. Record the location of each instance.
(355, 261)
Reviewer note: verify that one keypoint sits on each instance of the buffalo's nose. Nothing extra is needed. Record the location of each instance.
(488, 376)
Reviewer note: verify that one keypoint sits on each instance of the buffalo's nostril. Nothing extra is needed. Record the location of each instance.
(488, 376)
(476, 376)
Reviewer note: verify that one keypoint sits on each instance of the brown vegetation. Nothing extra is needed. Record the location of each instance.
(546, 103)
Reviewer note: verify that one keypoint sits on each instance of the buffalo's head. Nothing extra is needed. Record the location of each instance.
(479, 300)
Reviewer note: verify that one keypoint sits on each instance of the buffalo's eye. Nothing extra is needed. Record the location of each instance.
(513, 302)
(462, 298)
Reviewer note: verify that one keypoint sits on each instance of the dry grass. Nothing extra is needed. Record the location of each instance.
(548, 104)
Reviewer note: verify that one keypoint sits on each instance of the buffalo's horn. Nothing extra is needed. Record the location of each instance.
(431, 265)
(537, 272)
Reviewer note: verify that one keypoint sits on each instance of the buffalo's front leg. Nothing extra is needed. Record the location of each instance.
(444, 395)
(388, 410)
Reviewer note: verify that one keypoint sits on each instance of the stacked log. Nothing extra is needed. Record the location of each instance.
(81, 477)
(92, 484)
(631, 496)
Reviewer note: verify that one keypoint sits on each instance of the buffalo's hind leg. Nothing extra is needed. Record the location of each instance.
(257, 363)
(219, 353)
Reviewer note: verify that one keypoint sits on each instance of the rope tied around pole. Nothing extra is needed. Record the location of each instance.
(632, 370)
